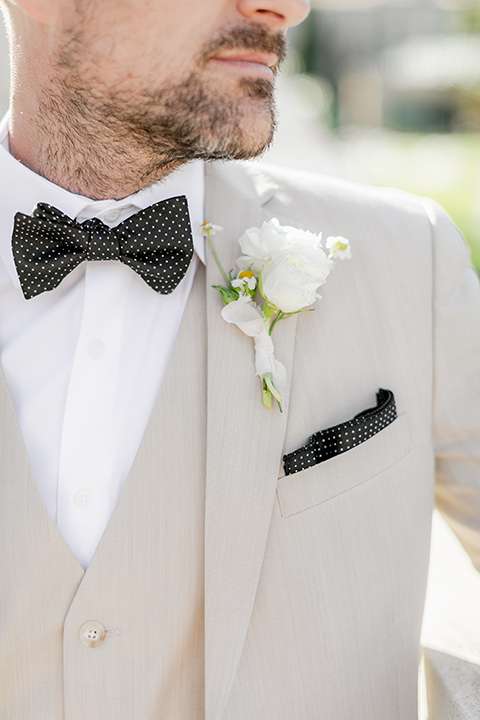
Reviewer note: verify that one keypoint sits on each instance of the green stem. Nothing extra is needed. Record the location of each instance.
(216, 259)
(278, 317)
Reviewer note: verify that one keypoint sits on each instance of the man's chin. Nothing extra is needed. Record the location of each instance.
(256, 129)
(256, 143)
(243, 133)
(245, 146)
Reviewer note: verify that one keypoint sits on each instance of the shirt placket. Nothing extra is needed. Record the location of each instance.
(89, 482)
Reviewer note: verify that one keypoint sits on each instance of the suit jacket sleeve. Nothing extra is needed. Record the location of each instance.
(456, 391)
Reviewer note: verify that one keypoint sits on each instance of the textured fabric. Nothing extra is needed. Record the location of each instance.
(325, 444)
(316, 612)
(156, 243)
(310, 614)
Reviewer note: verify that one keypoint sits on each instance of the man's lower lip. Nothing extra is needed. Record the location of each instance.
(245, 66)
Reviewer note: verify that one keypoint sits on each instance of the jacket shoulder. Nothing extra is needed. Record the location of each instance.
(297, 187)
(376, 217)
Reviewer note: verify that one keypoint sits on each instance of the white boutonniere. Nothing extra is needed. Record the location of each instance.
(286, 266)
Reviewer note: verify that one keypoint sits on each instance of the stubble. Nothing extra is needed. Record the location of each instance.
(135, 136)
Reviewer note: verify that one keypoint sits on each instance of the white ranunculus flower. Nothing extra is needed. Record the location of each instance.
(291, 283)
(262, 245)
(292, 263)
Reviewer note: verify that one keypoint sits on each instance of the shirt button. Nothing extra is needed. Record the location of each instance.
(92, 634)
(112, 215)
(83, 498)
(97, 349)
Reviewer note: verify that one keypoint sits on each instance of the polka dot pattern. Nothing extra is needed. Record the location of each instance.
(340, 438)
(156, 242)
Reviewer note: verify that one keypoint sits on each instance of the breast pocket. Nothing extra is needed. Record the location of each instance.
(327, 480)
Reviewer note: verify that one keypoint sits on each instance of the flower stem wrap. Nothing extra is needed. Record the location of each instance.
(249, 319)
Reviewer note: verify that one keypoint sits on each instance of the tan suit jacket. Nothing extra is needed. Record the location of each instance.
(304, 593)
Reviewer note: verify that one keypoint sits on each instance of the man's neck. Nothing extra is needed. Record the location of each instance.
(79, 157)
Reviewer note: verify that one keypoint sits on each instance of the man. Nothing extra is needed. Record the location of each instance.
(158, 561)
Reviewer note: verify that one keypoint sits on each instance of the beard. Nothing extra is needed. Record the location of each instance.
(147, 133)
(192, 119)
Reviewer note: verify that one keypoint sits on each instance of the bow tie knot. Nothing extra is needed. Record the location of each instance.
(102, 243)
(156, 243)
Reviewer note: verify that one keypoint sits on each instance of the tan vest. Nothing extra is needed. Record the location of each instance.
(144, 585)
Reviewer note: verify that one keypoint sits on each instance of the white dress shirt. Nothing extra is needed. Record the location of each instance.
(84, 362)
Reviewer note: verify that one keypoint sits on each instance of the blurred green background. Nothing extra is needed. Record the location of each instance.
(390, 90)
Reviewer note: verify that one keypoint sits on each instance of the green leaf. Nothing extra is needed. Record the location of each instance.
(266, 396)
(269, 387)
(269, 310)
(260, 283)
(228, 294)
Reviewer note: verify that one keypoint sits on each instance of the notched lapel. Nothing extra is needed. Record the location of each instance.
(244, 449)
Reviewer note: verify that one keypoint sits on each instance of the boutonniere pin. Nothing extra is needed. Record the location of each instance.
(286, 266)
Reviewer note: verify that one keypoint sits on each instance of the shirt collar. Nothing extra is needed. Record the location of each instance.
(24, 189)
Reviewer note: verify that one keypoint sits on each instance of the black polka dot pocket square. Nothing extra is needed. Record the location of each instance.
(338, 439)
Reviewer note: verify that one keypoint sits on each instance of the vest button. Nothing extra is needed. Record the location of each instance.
(92, 634)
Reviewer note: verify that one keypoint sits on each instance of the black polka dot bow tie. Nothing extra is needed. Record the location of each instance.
(156, 243)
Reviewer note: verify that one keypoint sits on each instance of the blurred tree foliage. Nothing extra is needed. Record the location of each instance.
(469, 20)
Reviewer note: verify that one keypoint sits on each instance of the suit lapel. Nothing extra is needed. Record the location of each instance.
(244, 450)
